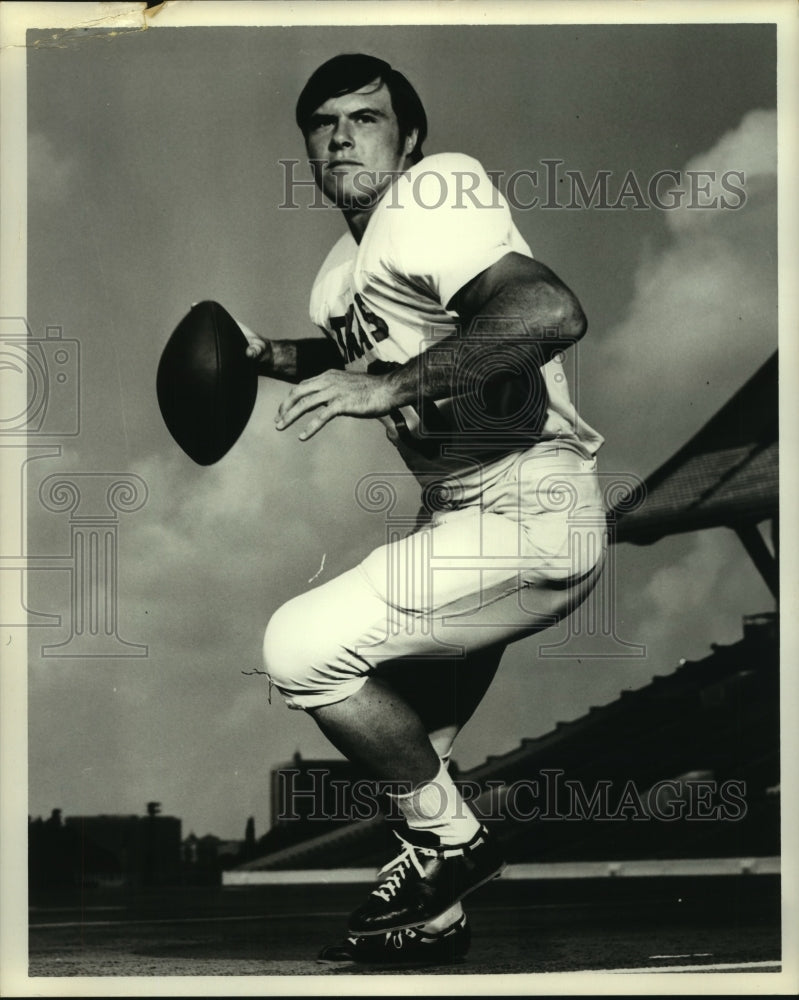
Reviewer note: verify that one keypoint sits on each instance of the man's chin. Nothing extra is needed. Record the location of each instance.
(359, 193)
(354, 201)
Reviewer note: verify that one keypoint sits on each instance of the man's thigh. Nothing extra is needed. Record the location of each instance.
(447, 593)
(475, 579)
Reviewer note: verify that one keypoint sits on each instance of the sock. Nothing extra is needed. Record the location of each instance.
(437, 806)
(455, 912)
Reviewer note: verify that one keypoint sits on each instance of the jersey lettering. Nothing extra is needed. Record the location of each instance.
(338, 323)
(350, 335)
(353, 329)
(378, 326)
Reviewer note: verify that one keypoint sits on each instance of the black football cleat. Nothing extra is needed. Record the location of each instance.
(411, 946)
(425, 880)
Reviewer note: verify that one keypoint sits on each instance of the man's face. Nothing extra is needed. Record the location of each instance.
(357, 139)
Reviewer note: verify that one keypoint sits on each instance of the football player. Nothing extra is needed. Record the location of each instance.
(437, 320)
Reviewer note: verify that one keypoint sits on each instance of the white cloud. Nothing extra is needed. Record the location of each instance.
(702, 319)
(741, 165)
(707, 577)
(50, 172)
(704, 313)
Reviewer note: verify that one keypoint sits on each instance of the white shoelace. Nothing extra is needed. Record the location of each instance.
(398, 938)
(398, 867)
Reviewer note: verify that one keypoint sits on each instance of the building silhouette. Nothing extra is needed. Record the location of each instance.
(110, 850)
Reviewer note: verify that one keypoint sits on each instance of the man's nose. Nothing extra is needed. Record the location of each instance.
(342, 136)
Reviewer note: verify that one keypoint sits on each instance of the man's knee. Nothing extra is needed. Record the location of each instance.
(306, 658)
(286, 658)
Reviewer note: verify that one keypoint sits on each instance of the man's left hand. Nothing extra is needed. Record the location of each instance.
(334, 394)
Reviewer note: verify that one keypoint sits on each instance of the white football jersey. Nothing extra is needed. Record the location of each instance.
(383, 302)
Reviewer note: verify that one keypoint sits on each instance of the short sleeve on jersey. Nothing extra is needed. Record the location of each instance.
(447, 223)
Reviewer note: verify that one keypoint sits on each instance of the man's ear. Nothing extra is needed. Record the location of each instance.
(410, 141)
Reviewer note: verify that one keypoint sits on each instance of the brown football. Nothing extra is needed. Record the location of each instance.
(206, 384)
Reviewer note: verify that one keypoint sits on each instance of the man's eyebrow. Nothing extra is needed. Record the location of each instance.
(367, 111)
(319, 117)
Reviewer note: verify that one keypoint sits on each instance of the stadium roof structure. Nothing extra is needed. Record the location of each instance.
(726, 475)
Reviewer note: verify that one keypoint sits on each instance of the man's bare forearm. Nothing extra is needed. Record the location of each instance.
(526, 323)
(295, 360)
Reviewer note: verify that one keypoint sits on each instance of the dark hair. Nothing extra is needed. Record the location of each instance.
(346, 73)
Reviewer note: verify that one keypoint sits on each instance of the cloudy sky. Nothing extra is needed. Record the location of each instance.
(154, 181)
